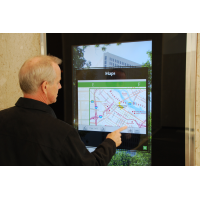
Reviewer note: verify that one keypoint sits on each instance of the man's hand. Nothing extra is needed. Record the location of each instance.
(116, 135)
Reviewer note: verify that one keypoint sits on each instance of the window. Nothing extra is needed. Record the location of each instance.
(105, 57)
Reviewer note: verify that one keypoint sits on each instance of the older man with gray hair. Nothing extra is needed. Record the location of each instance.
(31, 134)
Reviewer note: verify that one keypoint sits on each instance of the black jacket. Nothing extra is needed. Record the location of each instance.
(30, 134)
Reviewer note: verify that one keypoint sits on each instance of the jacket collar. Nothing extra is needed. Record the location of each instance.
(35, 105)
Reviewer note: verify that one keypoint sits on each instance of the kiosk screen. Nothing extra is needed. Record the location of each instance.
(106, 105)
(112, 88)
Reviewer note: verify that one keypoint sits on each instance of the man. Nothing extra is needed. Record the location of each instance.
(30, 133)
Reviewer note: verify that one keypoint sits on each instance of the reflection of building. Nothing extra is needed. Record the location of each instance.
(111, 60)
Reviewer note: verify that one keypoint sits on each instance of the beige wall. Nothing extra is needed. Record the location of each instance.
(197, 131)
(15, 48)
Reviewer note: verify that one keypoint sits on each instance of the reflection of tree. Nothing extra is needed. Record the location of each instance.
(103, 48)
(147, 156)
(150, 130)
(121, 158)
(141, 159)
(149, 65)
(78, 58)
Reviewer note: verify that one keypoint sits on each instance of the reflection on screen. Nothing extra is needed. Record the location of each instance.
(111, 55)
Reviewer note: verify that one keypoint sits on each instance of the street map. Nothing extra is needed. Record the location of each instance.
(106, 106)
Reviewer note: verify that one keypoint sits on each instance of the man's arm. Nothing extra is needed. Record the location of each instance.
(75, 153)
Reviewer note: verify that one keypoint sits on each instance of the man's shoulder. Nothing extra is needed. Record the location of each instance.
(7, 110)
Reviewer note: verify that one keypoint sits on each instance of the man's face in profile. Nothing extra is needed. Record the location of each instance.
(52, 91)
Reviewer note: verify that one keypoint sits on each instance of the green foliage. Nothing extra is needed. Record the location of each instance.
(149, 53)
(78, 58)
(149, 122)
(150, 130)
(103, 48)
(88, 64)
(148, 64)
(121, 158)
(141, 159)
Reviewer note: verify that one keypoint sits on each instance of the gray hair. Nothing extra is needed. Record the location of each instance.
(35, 71)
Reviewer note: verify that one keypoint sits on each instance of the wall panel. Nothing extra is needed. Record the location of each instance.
(15, 48)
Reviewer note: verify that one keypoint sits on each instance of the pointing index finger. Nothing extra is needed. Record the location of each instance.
(122, 128)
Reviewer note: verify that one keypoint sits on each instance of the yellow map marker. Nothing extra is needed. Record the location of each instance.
(120, 106)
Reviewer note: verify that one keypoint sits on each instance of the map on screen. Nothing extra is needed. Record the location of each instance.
(106, 105)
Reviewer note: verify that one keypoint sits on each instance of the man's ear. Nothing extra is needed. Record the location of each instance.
(44, 87)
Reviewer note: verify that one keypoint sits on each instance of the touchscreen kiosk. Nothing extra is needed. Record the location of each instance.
(111, 90)
(91, 58)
